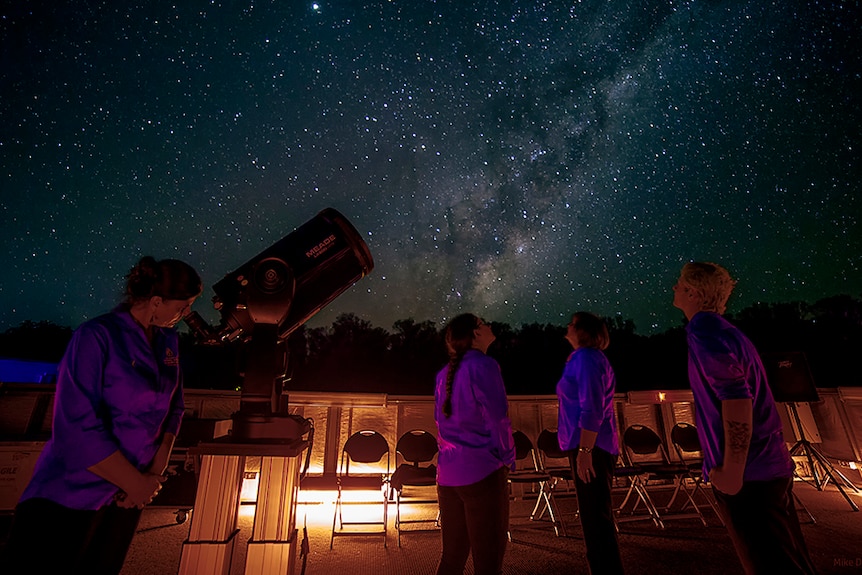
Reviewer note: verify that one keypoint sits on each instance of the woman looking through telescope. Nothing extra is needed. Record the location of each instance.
(117, 411)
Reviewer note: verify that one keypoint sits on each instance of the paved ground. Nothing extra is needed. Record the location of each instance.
(684, 546)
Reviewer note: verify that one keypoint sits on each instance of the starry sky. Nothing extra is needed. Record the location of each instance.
(518, 159)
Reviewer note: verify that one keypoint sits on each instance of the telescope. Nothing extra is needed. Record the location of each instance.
(267, 298)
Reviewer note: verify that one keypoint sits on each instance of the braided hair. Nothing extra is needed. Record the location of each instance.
(168, 279)
(459, 340)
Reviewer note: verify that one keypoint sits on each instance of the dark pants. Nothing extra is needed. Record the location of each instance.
(48, 538)
(475, 518)
(762, 522)
(597, 514)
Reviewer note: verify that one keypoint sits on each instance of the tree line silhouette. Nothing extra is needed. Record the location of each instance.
(353, 355)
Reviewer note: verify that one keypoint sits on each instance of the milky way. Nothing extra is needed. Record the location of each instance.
(517, 159)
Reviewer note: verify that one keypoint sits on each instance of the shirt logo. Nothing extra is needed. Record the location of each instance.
(171, 358)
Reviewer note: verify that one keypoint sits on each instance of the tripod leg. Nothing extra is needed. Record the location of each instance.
(828, 470)
(802, 449)
(803, 446)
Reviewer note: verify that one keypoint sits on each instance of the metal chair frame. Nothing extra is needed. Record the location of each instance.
(531, 472)
(556, 463)
(633, 477)
(642, 446)
(416, 447)
(362, 447)
(686, 443)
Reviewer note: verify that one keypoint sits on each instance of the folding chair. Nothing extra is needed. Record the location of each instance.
(363, 447)
(555, 462)
(529, 471)
(632, 476)
(415, 447)
(687, 445)
(646, 450)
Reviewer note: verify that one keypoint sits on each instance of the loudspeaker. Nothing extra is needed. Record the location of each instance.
(790, 377)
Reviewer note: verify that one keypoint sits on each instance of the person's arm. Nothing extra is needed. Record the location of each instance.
(737, 419)
(81, 437)
(586, 472)
(138, 489)
(177, 409)
(490, 393)
(719, 357)
(590, 387)
(159, 464)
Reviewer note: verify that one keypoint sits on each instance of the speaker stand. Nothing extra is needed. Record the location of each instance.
(826, 471)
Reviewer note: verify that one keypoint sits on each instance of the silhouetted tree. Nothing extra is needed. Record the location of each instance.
(352, 354)
(418, 352)
(836, 340)
(531, 358)
(829, 332)
(38, 341)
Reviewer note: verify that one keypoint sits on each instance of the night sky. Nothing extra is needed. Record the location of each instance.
(518, 159)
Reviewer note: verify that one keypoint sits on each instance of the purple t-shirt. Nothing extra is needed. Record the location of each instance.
(476, 440)
(114, 392)
(586, 394)
(723, 364)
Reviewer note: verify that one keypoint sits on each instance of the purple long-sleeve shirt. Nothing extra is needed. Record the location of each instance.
(586, 394)
(724, 364)
(114, 392)
(476, 440)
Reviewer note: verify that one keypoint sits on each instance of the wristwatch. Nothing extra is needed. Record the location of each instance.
(585, 449)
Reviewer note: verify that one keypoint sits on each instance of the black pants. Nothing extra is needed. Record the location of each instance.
(475, 518)
(597, 515)
(47, 538)
(762, 522)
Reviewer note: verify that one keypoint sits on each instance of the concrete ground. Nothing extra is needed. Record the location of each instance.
(683, 546)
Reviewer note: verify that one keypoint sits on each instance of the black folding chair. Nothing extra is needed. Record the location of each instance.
(529, 471)
(555, 463)
(687, 445)
(646, 450)
(363, 447)
(417, 448)
(632, 475)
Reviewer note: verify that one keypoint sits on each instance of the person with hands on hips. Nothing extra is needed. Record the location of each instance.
(744, 453)
(117, 410)
(587, 431)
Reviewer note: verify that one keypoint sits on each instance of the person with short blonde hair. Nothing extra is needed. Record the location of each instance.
(712, 282)
(741, 435)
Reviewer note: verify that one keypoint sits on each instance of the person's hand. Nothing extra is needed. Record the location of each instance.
(157, 467)
(121, 500)
(729, 483)
(143, 492)
(586, 472)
